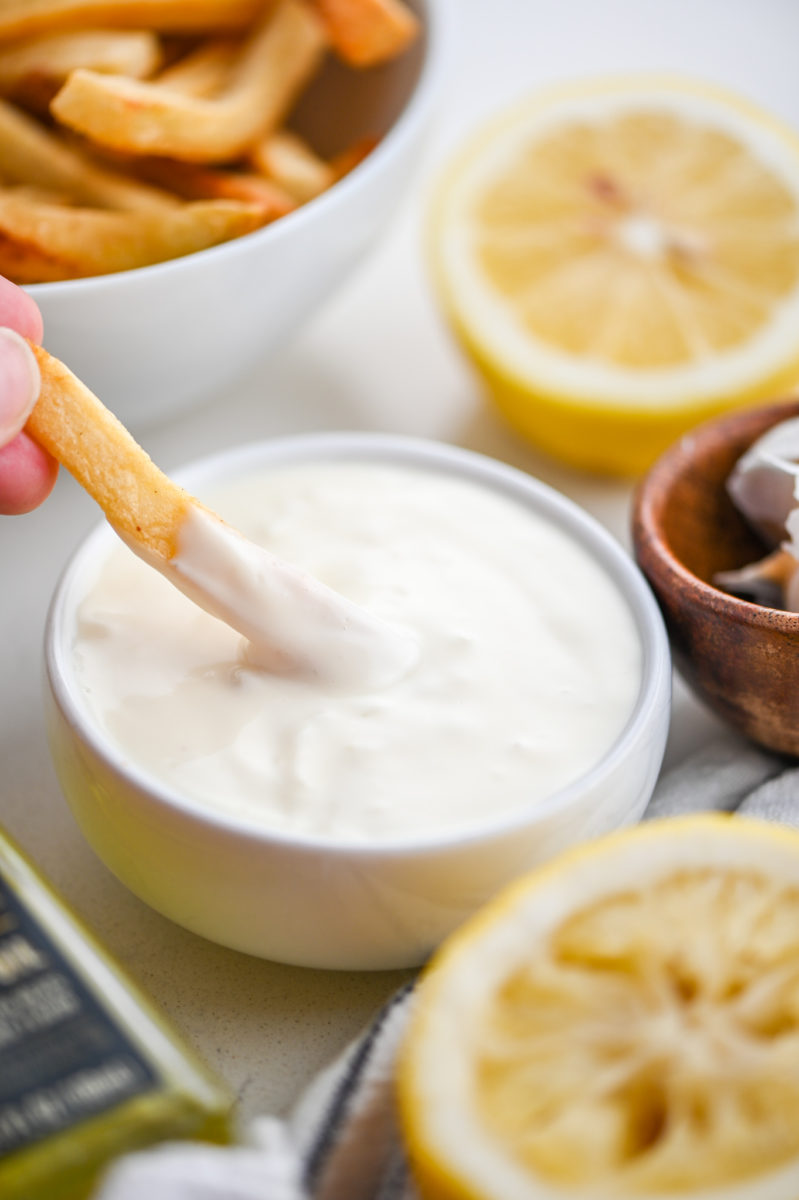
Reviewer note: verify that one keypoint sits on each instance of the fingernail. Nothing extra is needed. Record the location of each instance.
(20, 382)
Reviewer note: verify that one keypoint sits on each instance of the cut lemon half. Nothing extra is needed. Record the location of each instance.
(622, 1023)
(621, 260)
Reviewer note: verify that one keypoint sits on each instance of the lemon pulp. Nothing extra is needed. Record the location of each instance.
(621, 260)
(655, 1045)
(622, 1023)
(643, 240)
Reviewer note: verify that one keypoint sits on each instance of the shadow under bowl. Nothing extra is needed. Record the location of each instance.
(741, 658)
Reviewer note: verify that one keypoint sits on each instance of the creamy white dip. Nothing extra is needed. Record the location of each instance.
(528, 663)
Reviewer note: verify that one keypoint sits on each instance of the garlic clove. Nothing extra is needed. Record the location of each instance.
(764, 484)
(767, 581)
(792, 528)
(790, 592)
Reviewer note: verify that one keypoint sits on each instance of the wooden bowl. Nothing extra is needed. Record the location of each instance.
(740, 658)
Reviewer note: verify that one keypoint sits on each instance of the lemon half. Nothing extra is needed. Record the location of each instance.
(622, 1023)
(621, 260)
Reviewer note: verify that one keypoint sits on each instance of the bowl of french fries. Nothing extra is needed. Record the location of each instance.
(183, 181)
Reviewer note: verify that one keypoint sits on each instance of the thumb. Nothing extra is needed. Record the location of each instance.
(20, 382)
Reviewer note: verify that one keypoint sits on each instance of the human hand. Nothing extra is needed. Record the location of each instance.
(27, 473)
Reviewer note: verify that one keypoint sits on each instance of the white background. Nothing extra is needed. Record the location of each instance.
(377, 357)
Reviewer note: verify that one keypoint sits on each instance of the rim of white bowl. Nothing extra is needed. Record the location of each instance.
(419, 453)
(436, 17)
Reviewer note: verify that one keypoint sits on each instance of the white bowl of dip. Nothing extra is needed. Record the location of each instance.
(355, 829)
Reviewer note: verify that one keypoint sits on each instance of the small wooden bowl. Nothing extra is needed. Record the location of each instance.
(741, 658)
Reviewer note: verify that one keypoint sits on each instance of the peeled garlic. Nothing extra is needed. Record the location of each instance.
(766, 581)
(791, 588)
(764, 487)
(764, 484)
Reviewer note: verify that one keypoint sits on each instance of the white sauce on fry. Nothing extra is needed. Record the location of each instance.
(292, 622)
(528, 662)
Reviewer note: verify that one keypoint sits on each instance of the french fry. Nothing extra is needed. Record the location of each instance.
(290, 162)
(204, 72)
(194, 181)
(348, 159)
(171, 158)
(26, 18)
(31, 154)
(42, 243)
(275, 64)
(77, 429)
(36, 195)
(34, 69)
(367, 32)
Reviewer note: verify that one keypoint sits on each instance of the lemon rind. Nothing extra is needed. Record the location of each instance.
(529, 363)
(452, 1154)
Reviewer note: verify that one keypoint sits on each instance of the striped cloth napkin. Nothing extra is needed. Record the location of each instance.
(341, 1141)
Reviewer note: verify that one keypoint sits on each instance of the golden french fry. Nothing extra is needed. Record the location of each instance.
(289, 161)
(348, 159)
(42, 243)
(77, 429)
(275, 64)
(366, 32)
(30, 154)
(194, 181)
(204, 72)
(25, 18)
(154, 185)
(33, 69)
(36, 195)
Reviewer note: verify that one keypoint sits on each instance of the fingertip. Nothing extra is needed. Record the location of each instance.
(20, 383)
(27, 476)
(20, 311)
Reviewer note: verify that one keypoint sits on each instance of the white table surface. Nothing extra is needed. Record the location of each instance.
(377, 357)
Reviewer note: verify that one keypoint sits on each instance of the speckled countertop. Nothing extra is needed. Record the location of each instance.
(376, 358)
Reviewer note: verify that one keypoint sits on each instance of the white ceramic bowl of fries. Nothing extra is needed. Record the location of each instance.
(178, 199)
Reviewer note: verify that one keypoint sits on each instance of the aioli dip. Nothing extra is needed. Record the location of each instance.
(529, 661)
